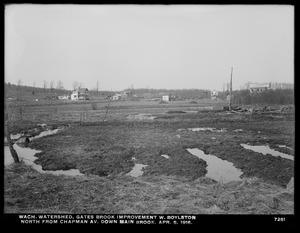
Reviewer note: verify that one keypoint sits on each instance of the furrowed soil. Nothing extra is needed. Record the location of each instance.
(105, 151)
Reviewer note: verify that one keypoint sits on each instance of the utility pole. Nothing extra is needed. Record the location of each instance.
(230, 97)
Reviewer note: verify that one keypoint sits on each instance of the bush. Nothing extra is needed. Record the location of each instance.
(94, 106)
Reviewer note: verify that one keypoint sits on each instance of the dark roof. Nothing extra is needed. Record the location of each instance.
(82, 90)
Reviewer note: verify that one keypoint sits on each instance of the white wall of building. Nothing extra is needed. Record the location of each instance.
(165, 98)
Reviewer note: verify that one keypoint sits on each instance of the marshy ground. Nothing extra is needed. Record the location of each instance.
(177, 184)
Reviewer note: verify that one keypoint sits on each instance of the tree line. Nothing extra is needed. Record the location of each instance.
(180, 94)
(278, 96)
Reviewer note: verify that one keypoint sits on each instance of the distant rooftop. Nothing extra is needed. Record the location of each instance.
(259, 85)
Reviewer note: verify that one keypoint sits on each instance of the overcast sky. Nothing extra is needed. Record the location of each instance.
(156, 46)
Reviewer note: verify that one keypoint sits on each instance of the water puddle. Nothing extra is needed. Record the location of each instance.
(16, 136)
(238, 130)
(44, 133)
(137, 170)
(166, 156)
(284, 146)
(267, 150)
(24, 153)
(218, 169)
(191, 111)
(27, 155)
(180, 130)
(207, 129)
(141, 116)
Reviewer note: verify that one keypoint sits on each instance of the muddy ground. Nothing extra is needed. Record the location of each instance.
(108, 148)
(103, 151)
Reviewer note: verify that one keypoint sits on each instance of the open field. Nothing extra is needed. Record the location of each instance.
(101, 142)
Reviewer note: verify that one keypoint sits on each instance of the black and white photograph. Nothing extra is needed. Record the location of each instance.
(148, 114)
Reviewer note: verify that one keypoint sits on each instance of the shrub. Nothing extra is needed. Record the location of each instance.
(94, 106)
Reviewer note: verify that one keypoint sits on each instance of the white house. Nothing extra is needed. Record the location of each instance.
(116, 96)
(165, 98)
(80, 94)
(214, 95)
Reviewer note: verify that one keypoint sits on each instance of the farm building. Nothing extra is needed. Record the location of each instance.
(214, 95)
(165, 98)
(122, 95)
(116, 96)
(126, 94)
(259, 87)
(64, 97)
(80, 94)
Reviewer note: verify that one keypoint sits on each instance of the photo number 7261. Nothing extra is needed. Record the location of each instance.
(279, 219)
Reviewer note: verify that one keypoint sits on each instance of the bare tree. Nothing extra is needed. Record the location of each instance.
(51, 88)
(75, 85)
(45, 85)
(97, 88)
(51, 85)
(19, 82)
(107, 107)
(60, 85)
(148, 87)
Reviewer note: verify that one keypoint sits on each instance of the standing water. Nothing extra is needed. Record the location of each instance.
(207, 129)
(284, 146)
(267, 150)
(27, 154)
(45, 133)
(166, 156)
(218, 169)
(137, 170)
(141, 116)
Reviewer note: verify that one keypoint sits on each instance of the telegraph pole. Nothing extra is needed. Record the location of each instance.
(230, 99)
